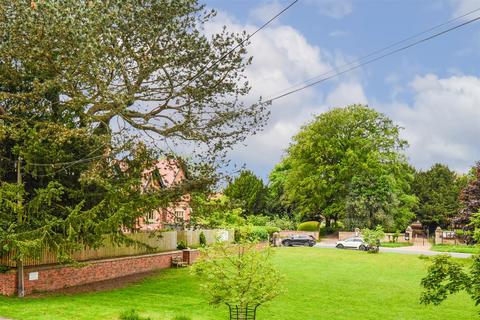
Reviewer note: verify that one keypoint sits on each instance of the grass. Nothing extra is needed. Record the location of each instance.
(462, 248)
(395, 244)
(321, 284)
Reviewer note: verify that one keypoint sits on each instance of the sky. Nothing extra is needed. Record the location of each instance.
(432, 90)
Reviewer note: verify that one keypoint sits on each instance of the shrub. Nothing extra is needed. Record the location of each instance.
(4, 268)
(238, 274)
(132, 315)
(254, 233)
(373, 238)
(396, 235)
(309, 226)
(182, 245)
(257, 220)
(203, 239)
(272, 229)
(327, 230)
(282, 223)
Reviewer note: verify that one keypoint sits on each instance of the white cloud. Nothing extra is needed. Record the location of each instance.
(460, 7)
(282, 57)
(266, 11)
(442, 124)
(345, 94)
(333, 8)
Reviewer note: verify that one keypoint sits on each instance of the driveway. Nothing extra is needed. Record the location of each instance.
(407, 250)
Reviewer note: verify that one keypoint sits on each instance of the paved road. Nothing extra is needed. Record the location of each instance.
(408, 251)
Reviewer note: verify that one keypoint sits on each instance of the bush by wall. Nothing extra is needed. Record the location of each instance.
(254, 233)
(309, 226)
(257, 220)
(182, 245)
(202, 240)
(332, 229)
(283, 223)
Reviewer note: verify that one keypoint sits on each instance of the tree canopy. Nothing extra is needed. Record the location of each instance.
(348, 163)
(277, 201)
(249, 191)
(82, 85)
(146, 64)
(446, 277)
(438, 190)
(470, 197)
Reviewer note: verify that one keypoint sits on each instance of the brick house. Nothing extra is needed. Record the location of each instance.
(165, 174)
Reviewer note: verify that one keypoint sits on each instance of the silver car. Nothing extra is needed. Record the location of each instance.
(352, 243)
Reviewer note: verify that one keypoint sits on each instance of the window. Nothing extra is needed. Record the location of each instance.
(180, 215)
(151, 217)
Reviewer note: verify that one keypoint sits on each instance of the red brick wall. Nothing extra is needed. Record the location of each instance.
(57, 277)
(8, 283)
(190, 256)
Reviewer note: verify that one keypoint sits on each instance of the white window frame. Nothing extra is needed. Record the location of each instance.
(151, 217)
(180, 215)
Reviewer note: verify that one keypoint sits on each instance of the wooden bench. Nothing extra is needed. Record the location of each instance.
(178, 262)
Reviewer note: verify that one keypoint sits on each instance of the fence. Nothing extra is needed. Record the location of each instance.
(158, 242)
(155, 242)
(192, 237)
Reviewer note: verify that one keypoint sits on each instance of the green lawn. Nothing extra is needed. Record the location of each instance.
(395, 244)
(322, 284)
(456, 248)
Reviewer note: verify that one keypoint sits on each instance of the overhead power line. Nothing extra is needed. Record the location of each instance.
(241, 43)
(390, 46)
(360, 64)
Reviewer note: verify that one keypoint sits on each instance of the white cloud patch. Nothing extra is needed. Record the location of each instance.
(282, 57)
(461, 7)
(265, 12)
(345, 94)
(333, 8)
(442, 124)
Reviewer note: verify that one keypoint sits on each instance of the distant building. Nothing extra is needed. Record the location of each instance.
(165, 174)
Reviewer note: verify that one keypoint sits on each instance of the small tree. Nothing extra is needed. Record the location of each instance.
(202, 239)
(249, 192)
(239, 275)
(446, 277)
(373, 238)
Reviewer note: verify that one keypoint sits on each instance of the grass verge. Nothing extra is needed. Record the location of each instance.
(462, 248)
(321, 284)
(395, 244)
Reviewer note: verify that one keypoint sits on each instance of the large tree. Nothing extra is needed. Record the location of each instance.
(82, 83)
(249, 192)
(348, 163)
(438, 191)
(470, 197)
(277, 201)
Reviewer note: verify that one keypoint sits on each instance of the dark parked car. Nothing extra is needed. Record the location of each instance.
(299, 240)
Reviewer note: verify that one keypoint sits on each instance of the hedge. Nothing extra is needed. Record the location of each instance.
(309, 226)
(254, 233)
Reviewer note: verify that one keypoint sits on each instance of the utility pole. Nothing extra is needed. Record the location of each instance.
(20, 278)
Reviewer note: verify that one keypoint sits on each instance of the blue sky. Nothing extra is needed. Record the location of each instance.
(432, 90)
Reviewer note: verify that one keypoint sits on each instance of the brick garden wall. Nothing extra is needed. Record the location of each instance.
(57, 277)
(8, 283)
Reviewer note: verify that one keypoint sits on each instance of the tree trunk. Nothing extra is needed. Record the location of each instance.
(327, 222)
